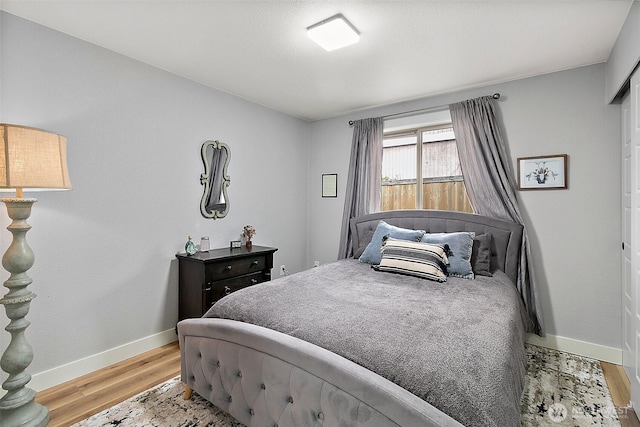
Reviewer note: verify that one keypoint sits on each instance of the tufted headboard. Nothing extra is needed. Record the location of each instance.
(506, 242)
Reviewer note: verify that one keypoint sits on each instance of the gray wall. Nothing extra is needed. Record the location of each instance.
(625, 54)
(105, 271)
(575, 233)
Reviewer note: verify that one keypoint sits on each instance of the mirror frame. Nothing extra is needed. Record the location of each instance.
(204, 180)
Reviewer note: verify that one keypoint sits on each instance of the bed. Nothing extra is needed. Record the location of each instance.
(346, 345)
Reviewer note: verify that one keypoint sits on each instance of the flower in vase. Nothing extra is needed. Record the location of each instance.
(248, 231)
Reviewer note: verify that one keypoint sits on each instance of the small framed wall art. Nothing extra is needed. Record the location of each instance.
(329, 185)
(542, 172)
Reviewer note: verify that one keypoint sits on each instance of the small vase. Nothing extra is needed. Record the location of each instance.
(204, 244)
(249, 244)
(190, 247)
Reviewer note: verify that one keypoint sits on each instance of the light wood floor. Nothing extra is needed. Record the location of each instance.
(80, 398)
(619, 388)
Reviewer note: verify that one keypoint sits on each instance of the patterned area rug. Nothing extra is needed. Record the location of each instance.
(565, 390)
(561, 390)
(162, 406)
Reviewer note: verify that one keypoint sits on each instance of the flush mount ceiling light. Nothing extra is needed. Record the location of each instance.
(333, 33)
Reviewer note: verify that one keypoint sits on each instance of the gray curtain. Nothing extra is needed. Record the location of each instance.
(491, 184)
(364, 177)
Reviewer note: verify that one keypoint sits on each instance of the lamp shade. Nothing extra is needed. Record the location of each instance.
(32, 159)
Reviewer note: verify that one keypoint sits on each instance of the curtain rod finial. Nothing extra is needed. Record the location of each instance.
(351, 122)
(496, 96)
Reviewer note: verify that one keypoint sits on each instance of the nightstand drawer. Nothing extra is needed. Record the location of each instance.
(235, 267)
(225, 287)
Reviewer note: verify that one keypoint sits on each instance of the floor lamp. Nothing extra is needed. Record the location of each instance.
(32, 160)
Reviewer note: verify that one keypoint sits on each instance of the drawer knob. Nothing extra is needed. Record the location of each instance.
(227, 268)
(254, 281)
(227, 290)
(255, 262)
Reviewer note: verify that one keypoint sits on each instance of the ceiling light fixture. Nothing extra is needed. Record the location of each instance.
(333, 33)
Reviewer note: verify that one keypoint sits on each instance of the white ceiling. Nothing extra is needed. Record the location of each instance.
(259, 50)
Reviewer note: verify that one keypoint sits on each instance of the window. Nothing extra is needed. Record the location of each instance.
(427, 153)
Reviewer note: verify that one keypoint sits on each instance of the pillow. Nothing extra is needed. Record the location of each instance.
(366, 237)
(481, 255)
(372, 255)
(461, 245)
(414, 258)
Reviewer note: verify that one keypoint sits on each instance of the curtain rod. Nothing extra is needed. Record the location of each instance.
(423, 110)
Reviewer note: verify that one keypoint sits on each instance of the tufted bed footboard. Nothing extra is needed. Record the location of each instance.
(265, 378)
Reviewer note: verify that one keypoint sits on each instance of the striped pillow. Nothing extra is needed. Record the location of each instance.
(425, 260)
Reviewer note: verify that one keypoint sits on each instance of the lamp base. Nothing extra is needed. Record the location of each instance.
(18, 407)
(30, 415)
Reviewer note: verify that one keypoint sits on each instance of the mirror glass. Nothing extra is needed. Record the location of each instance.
(215, 200)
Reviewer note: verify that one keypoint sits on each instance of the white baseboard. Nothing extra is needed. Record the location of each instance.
(581, 348)
(56, 376)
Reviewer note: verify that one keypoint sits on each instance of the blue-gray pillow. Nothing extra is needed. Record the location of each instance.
(461, 245)
(372, 254)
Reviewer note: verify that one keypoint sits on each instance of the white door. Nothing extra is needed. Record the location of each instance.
(631, 236)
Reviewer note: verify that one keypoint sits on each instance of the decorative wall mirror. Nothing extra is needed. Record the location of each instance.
(215, 200)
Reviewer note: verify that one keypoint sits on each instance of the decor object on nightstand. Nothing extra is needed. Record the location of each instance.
(248, 232)
(204, 244)
(190, 247)
(33, 160)
(215, 200)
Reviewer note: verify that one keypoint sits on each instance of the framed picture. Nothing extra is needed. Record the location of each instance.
(542, 172)
(329, 185)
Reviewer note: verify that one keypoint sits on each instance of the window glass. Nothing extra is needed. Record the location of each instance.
(399, 173)
(425, 152)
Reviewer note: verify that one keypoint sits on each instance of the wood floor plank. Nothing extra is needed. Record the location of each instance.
(142, 370)
(618, 384)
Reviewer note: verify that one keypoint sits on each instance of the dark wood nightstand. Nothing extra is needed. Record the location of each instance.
(206, 277)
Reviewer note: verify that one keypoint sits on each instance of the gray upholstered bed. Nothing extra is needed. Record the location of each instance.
(345, 345)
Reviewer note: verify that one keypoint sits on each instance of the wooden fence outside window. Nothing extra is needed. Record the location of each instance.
(441, 195)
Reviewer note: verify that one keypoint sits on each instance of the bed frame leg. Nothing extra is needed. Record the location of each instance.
(187, 392)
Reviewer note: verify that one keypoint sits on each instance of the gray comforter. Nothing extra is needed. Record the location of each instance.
(459, 345)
